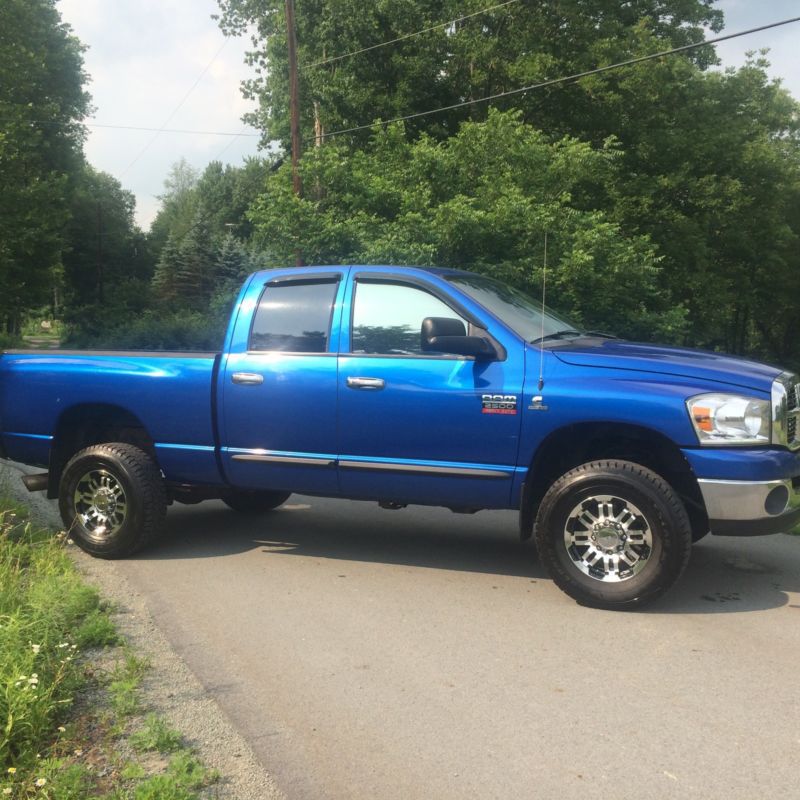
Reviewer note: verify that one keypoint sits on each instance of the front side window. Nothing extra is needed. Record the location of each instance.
(294, 317)
(387, 318)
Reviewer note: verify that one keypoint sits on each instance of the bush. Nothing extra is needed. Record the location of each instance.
(178, 330)
(7, 341)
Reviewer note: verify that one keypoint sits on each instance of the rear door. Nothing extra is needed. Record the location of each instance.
(278, 398)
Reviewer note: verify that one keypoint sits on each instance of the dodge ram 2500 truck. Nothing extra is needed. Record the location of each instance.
(427, 386)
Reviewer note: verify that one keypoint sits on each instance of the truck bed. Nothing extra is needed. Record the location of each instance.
(169, 394)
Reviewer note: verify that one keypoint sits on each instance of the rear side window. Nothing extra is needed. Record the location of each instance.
(294, 317)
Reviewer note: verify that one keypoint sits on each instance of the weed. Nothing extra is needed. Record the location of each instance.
(184, 777)
(97, 630)
(133, 772)
(156, 735)
(124, 698)
(185, 767)
(124, 685)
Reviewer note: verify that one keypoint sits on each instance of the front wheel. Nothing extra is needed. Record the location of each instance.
(112, 499)
(613, 534)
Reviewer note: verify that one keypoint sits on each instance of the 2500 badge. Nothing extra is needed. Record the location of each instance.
(499, 403)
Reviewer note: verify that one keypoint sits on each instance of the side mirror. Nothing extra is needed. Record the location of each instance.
(444, 335)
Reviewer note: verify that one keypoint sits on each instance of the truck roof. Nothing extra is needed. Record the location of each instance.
(441, 272)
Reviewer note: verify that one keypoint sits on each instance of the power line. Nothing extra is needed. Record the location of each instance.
(164, 130)
(565, 79)
(544, 84)
(224, 150)
(407, 36)
(175, 110)
(63, 124)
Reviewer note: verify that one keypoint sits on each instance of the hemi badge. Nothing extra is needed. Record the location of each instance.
(499, 404)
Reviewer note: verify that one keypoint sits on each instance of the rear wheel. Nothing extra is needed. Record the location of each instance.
(112, 499)
(254, 502)
(613, 534)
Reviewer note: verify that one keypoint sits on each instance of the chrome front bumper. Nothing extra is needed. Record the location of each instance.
(752, 508)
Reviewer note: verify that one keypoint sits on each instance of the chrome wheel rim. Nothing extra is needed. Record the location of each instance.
(608, 538)
(100, 504)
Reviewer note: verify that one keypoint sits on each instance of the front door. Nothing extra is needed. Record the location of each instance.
(420, 427)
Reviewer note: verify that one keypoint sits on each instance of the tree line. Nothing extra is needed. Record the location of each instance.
(669, 191)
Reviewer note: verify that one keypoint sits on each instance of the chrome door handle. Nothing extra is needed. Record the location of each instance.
(366, 383)
(247, 378)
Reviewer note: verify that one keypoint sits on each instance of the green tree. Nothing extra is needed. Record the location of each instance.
(106, 263)
(519, 44)
(42, 103)
(709, 172)
(185, 275)
(705, 162)
(481, 200)
(178, 206)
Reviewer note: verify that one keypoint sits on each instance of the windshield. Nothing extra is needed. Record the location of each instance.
(521, 313)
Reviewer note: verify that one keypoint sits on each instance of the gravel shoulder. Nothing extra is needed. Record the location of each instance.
(170, 688)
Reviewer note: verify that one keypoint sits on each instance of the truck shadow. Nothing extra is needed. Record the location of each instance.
(352, 531)
(724, 574)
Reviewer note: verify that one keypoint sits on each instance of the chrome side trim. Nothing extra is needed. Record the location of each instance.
(419, 469)
(468, 472)
(309, 462)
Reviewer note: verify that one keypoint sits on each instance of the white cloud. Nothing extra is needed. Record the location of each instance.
(143, 58)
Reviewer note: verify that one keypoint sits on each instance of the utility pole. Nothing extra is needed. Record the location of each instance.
(294, 107)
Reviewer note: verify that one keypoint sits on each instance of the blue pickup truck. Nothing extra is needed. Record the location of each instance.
(427, 386)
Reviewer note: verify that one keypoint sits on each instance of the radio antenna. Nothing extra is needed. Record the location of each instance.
(544, 295)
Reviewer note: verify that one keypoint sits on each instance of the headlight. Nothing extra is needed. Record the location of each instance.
(730, 419)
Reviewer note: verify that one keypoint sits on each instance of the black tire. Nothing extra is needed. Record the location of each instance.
(637, 516)
(257, 502)
(128, 505)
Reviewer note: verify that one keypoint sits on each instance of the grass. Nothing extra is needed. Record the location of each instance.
(65, 722)
(43, 608)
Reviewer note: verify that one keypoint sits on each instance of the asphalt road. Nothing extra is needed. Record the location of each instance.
(413, 654)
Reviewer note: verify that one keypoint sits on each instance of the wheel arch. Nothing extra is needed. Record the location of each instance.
(572, 445)
(87, 424)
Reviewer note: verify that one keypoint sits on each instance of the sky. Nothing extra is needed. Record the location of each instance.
(165, 63)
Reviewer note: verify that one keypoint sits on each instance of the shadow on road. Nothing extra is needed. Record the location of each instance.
(724, 574)
(349, 531)
(730, 574)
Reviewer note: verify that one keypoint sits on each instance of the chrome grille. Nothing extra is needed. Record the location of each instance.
(786, 411)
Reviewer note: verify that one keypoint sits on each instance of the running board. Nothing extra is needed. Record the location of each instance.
(36, 483)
